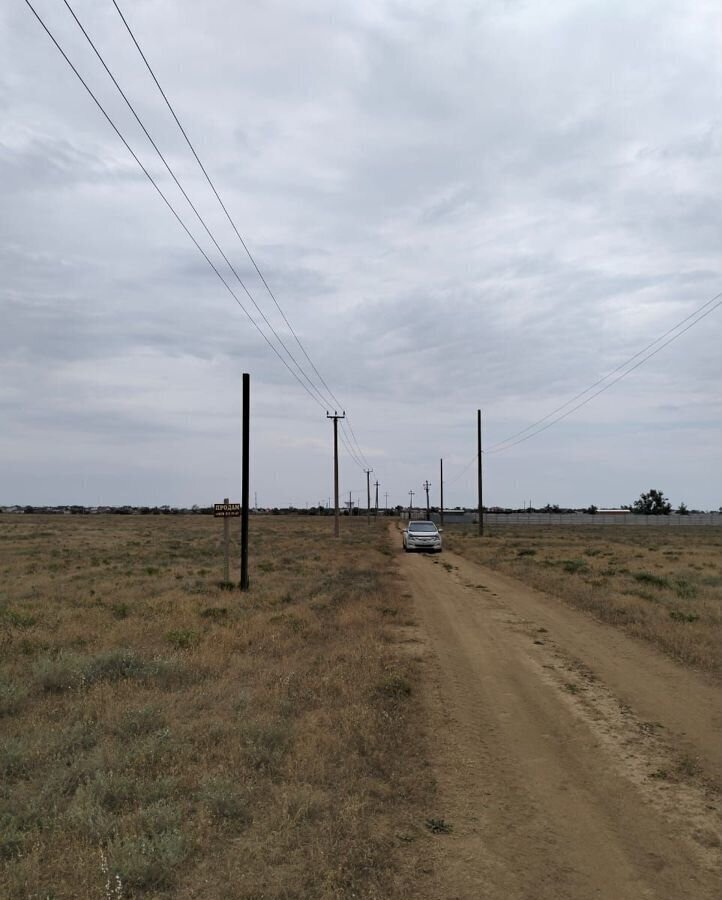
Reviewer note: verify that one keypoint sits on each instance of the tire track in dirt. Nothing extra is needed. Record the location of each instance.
(559, 781)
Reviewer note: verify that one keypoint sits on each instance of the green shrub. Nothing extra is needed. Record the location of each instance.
(659, 581)
(11, 840)
(395, 686)
(55, 674)
(574, 565)
(13, 758)
(264, 744)
(160, 816)
(224, 801)
(147, 861)
(114, 665)
(678, 616)
(684, 589)
(12, 696)
(183, 639)
(17, 619)
(216, 613)
(139, 722)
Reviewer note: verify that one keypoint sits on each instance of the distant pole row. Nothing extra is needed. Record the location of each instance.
(427, 484)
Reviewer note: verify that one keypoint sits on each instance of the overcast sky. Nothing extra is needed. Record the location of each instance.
(457, 204)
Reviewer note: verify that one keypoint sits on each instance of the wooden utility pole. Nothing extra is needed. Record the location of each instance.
(441, 485)
(386, 503)
(411, 503)
(376, 485)
(426, 488)
(244, 479)
(226, 554)
(368, 495)
(336, 520)
(478, 472)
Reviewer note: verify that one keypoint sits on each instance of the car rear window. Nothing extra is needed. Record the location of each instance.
(422, 526)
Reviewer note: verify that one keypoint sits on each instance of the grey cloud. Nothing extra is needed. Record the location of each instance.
(456, 205)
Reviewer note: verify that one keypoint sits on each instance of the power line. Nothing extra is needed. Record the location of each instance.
(349, 449)
(463, 471)
(208, 178)
(699, 314)
(167, 202)
(316, 396)
(503, 445)
(357, 454)
(605, 377)
(190, 202)
(363, 456)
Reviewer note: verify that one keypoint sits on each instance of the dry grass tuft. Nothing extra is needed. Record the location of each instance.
(166, 737)
(661, 584)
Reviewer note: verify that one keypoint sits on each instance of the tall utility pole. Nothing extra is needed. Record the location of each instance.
(386, 503)
(335, 417)
(376, 485)
(411, 503)
(441, 485)
(478, 472)
(426, 488)
(368, 495)
(244, 479)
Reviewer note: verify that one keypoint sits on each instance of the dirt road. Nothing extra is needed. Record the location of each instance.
(571, 761)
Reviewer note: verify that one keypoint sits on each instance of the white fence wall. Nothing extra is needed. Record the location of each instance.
(671, 521)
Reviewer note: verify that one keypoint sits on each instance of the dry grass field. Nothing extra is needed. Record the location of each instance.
(661, 584)
(162, 736)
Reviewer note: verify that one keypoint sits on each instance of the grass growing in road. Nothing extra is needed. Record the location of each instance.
(661, 584)
(164, 737)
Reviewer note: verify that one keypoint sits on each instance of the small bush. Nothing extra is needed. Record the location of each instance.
(526, 551)
(114, 665)
(147, 861)
(395, 686)
(11, 840)
(158, 817)
(88, 817)
(574, 565)
(264, 744)
(120, 610)
(139, 722)
(216, 613)
(183, 639)
(79, 736)
(678, 616)
(111, 790)
(659, 581)
(13, 758)
(438, 826)
(17, 619)
(684, 589)
(12, 697)
(224, 801)
(59, 673)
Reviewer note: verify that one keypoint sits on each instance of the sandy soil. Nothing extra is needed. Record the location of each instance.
(572, 761)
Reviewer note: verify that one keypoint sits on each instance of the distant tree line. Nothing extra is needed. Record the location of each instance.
(649, 503)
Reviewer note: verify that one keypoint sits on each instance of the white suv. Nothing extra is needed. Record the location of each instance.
(422, 536)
